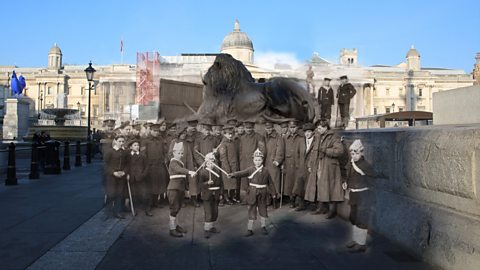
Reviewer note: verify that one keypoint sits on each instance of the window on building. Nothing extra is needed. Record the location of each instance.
(82, 91)
(374, 92)
(400, 91)
(387, 109)
(400, 109)
(49, 90)
(95, 110)
(83, 109)
(420, 92)
(374, 110)
(387, 91)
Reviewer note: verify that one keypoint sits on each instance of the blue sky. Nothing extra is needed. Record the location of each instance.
(446, 33)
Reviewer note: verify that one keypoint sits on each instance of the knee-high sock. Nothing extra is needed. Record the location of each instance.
(250, 224)
(359, 235)
(263, 221)
(207, 226)
(173, 223)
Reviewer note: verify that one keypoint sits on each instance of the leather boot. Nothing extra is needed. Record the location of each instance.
(332, 212)
(292, 202)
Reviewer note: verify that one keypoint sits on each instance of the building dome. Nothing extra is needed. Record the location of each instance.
(413, 52)
(55, 50)
(237, 38)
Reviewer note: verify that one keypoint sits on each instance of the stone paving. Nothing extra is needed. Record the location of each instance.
(57, 222)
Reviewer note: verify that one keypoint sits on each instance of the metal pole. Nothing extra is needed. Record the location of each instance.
(88, 112)
(89, 143)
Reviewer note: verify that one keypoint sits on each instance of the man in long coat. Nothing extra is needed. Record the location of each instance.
(156, 154)
(307, 164)
(292, 155)
(229, 161)
(328, 186)
(275, 156)
(249, 142)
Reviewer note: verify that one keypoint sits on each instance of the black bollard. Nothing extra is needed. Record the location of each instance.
(89, 152)
(78, 156)
(66, 156)
(34, 163)
(57, 169)
(12, 169)
(49, 160)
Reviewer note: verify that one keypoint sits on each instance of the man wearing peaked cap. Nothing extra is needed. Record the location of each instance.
(325, 99)
(248, 144)
(345, 93)
(156, 155)
(292, 153)
(274, 157)
(203, 144)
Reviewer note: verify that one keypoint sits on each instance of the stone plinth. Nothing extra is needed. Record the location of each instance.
(429, 201)
(15, 121)
(457, 106)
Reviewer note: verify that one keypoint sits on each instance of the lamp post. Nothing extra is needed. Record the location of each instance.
(89, 71)
(393, 107)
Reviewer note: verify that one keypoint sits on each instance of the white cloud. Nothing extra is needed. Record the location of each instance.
(269, 59)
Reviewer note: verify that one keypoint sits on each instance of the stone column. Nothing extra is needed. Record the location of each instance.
(15, 121)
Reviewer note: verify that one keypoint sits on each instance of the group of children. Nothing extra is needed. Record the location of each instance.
(215, 174)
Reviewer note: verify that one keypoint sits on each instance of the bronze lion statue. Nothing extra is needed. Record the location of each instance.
(230, 91)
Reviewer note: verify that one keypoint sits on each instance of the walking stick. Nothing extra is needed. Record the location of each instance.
(130, 195)
(336, 118)
(281, 186)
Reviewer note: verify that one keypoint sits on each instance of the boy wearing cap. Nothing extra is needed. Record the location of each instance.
(229, 162)
(211, 193)
(345, 93)
(359, 173)
(259, 187)
(136, 174)
(248, 143)
(291, 163)
(275, 155)
(325, 99)
(187, 159)
(176, 187)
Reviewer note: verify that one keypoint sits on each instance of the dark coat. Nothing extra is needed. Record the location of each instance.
(275, 152)
(292, 161)
(114, 161)
(345, 92)
(329, 182)
(325, 96)
(260, 178)
(178, 175)
(203, 144)
(204, 177)
(155, 152)
(248, 144)
(137, 166)
(229, 162)
(307, 166)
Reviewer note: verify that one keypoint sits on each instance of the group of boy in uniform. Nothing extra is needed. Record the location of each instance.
(306, 166)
